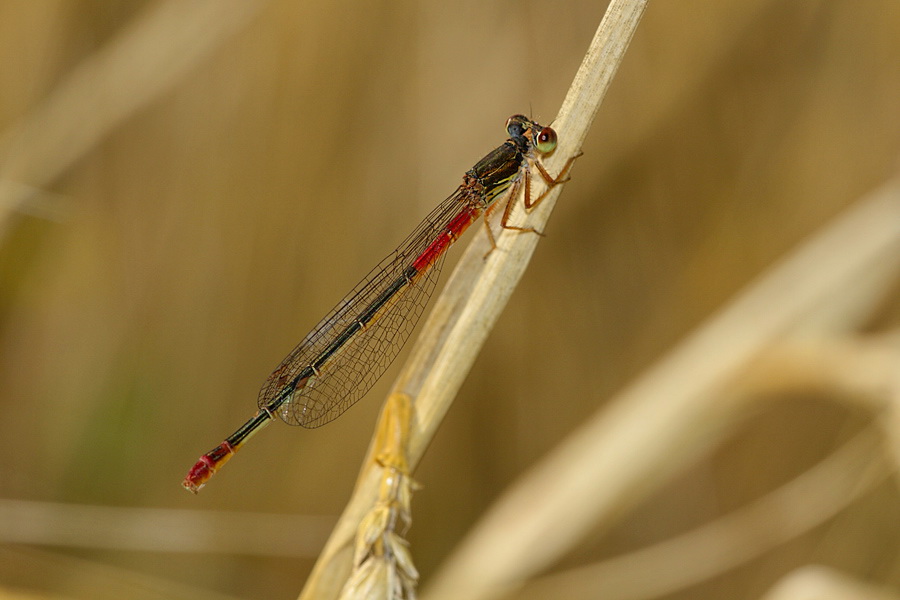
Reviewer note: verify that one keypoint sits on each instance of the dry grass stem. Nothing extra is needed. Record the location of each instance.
(685, 560)
(478, 290)
(178, 531)
(859, 372)
(85, 578)
(824, 583)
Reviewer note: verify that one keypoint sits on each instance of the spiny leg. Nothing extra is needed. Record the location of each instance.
(510, 195)
(551, 182)
(487, 225)
(529, 204)
(504, 222)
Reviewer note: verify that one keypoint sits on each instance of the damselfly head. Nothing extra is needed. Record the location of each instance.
(542, 138)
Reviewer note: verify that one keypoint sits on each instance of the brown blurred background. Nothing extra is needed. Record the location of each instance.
(151, 280)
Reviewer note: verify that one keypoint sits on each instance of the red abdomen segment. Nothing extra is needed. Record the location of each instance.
(207, 466)
(451, 233)
(213, 460)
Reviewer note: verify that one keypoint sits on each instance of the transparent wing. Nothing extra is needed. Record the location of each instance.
(360, 361)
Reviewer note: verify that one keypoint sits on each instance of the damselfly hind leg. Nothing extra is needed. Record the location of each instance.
(511, 194)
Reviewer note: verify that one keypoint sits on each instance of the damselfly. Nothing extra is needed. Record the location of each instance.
(346, 353)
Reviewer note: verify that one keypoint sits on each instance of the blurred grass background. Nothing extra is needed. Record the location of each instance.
(148, 288)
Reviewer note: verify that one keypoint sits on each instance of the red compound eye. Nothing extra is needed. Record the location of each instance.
(546, 141)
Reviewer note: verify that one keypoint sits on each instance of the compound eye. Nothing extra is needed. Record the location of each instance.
(515, 125)
(546, 141)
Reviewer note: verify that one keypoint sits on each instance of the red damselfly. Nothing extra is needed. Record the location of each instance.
(346, 353)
